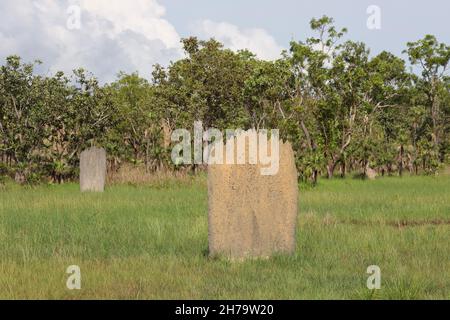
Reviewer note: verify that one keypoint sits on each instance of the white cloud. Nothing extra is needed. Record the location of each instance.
(114, 35)
(254, 39)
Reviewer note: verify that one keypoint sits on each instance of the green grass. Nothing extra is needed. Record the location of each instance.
(151, 243)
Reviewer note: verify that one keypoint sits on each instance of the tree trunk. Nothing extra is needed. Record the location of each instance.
(343, 169)
(365, 165)
(330, 168)
(315, 173)
(400, 164)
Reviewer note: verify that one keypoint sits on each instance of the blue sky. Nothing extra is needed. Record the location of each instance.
(116, 35)
(401, 20)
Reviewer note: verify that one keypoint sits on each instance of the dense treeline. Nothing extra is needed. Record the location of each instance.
(343, 110)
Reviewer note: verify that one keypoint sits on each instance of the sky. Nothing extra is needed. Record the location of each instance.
(108, 36)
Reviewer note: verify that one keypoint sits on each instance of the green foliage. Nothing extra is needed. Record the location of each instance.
(339, 106)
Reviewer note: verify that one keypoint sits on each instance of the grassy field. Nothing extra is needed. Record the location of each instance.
(151, 243)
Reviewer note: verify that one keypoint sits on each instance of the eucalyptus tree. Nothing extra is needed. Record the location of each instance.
(58, 147)
(18, 126)
(384, 127)
(207, 85)
(432, 59)
(267, 90)
(72, 113)
(310, 63)
(130, 137)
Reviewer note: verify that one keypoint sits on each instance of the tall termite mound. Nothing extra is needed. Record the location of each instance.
(250, 214)
(93, 170)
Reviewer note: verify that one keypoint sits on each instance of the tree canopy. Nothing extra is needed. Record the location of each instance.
(342, 109)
